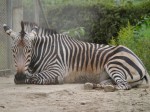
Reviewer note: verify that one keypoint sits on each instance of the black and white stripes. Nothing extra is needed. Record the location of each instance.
(54, 58)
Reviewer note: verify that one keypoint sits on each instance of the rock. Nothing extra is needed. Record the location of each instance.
(88, 86)
(109, 88)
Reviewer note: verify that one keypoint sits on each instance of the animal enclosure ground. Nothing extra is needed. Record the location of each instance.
(69, 98)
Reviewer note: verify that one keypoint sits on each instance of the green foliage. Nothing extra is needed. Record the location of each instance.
(137, 39)
(143, 27)
(59, 3)
(101, 20)
(77, 33)
(126, 35)
(111, 19)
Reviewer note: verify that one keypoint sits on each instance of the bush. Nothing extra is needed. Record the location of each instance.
(137, 39)
(99, 21)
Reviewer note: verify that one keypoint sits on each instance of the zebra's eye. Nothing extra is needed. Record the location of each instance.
(29, 50)
(14, 49)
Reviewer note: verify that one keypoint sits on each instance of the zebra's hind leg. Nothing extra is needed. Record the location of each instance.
(119, 77)
(108, 85)
(121, 84)
(106, 82)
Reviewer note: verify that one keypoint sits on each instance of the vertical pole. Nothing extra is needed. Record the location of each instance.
(17, 15)
(9, 22)
(36, 11)
(9, 12)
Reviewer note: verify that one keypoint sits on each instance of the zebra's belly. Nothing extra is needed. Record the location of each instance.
(82, 77)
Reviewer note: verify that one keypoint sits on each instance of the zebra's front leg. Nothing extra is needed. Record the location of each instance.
(45, 78)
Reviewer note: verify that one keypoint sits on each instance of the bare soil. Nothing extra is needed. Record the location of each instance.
(69, 98)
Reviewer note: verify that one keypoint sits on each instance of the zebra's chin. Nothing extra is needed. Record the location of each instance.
(20, 79)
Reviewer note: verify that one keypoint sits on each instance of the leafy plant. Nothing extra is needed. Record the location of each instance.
(136, 38)
(143, 27)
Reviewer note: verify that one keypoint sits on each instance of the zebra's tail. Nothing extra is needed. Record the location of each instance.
(146, 81)
(147, 78)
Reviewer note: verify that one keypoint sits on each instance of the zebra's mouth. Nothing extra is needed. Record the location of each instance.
(20, 79)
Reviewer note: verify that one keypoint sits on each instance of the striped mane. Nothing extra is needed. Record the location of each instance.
(29, 26)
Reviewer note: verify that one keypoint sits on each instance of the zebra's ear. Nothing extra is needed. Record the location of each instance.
(9, 31)
(22, 30)
(33, 33)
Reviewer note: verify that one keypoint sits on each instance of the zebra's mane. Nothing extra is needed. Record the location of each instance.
(29, 26)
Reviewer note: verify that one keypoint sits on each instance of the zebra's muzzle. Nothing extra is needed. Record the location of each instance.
(20, 78)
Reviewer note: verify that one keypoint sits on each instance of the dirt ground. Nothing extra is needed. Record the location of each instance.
(69, 98)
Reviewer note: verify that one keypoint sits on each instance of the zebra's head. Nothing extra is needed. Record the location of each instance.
(21, 48)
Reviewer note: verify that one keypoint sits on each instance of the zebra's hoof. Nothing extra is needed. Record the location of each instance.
(88, 86)
(109, 88)
(97, 87)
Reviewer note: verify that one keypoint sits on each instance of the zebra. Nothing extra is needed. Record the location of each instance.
(43, 56)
